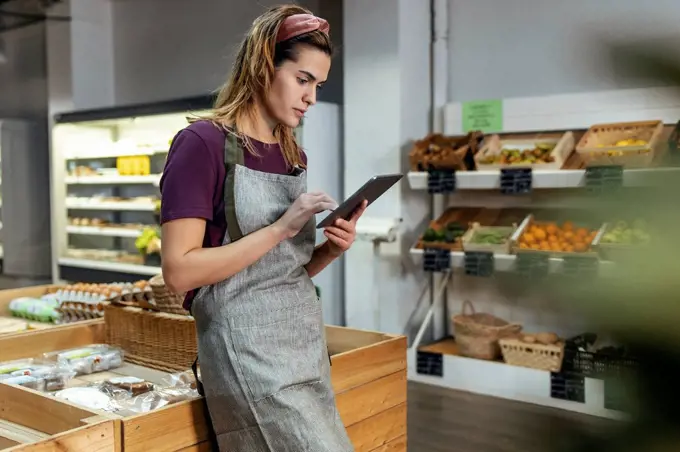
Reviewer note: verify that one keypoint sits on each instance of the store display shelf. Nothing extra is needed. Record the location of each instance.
(110, 205)
(544, 179)
(112, 154)
(110, 266)
(113, 180)
(104, 231)
(497, 379)
(508, 262)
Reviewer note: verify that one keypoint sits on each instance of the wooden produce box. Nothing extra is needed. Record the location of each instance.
(440, 152)
(556, 240)
(368, 376)
(24, 326)
(493, 146)
(33, 422)
(470, 244)
(628, 144)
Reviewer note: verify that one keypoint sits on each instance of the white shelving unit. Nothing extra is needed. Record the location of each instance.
(538, 114)
(87, 186)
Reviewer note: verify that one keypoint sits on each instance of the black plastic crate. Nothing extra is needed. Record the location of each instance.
(597, 364)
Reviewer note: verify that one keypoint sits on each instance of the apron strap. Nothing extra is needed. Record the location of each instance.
(233, 155)
(212, 437)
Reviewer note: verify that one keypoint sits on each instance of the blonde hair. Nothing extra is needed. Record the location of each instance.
(254, 70)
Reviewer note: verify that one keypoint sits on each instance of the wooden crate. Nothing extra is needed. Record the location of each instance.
(6, 296)
(368, 376)
(33, 422)
(598, 145)
(494, 145)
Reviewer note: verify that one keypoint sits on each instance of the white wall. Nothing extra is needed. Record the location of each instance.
(500, 48)
(387, 105)
(165, 49)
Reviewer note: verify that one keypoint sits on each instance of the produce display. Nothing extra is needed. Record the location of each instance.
(489, 236)
(448, 233)
(509, 156)
(437, 151)
(149, 241)
(625, 143)
(563, 238)
(624, 233)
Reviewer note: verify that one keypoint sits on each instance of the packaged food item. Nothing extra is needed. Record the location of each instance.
(86, 360)
(159, 398)
(88, 397)
(50, 376)
(132, 385)
(38, 309)
(181, 379)
(27, 381)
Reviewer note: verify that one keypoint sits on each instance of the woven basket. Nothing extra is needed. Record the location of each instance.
(153, 339)
(477, 335)
(164, 299)
(535, 356)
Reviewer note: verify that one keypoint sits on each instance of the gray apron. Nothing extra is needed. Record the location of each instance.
(261, 343)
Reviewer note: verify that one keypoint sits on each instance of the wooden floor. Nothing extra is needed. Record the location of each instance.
(442, 420)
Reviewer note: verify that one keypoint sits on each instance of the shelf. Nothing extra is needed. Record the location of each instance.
(497, 379)
(110, 266)
(507, 262)
(104, 231)
(95, 155)
(113, 180)
(545, 179)
(103, 205)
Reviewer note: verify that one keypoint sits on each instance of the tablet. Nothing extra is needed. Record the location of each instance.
(370, 191)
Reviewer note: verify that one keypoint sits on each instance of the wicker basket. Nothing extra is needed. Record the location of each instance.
(535, 356)
(154, 339)
(164, 299)
(477, 335)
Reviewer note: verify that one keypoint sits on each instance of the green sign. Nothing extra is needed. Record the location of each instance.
(483, 115)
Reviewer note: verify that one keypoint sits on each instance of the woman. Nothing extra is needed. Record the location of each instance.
(238, 224)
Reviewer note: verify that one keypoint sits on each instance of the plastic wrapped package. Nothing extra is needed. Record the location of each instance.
(159, 398)
(89, 397)
(38, 309)
(181, 379)
(89, 359)
(128, 386)
(42, 376)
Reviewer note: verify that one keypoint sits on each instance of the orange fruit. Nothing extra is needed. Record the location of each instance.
(551, 229)
(582, 232)
(540, 234)
(528, 238)
(568, 226)
(580, 247)
(555, 246)
(552, 238)
(568, 235)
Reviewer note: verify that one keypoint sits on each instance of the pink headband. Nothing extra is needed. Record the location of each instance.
(299, 24)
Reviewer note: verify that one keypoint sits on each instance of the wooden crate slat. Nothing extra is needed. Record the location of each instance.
(363, 365)
(379, 430)
(372, 398)
(99, 437)
(396, 445)
(35, 343)
(38, 411)
(168, 429)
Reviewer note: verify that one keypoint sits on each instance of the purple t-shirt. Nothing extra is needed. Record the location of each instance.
(192, 185)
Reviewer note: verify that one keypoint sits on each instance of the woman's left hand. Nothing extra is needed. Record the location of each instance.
(343, 232)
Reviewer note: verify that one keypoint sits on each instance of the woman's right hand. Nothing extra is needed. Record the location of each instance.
(306, 206)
